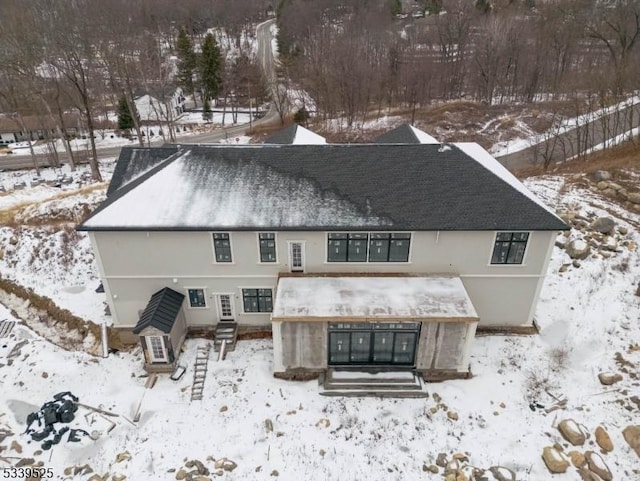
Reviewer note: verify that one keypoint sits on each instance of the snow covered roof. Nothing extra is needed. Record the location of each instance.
(319, 187)
(135, 162)
(337, 298)
(406, 134)
(295, 134)
(161, 311)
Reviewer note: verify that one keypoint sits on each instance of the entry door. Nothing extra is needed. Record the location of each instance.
(296, 256)
(225, 307)
(156, 349)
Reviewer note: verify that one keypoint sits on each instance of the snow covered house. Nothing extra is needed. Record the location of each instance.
(384, 255)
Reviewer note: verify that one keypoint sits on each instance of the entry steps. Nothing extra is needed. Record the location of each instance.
(225, 331)
(398, 384)
(200, 372)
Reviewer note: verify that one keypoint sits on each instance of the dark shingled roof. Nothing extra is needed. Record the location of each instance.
(135, 161)
(402, 134)
(413, 187)
(161, 311)
(284, 136)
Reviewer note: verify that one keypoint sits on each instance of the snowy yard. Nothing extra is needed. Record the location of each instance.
(275, 429)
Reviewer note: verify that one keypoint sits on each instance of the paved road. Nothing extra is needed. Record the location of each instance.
(265, 56)
(564, 146)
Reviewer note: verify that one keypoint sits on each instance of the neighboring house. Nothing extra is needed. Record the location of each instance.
(162, 104)
(35, 128)
(389, 254)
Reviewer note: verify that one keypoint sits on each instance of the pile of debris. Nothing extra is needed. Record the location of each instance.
(59, 411)
(458, 468)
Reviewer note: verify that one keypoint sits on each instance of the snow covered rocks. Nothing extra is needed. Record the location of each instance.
(631, 435)
(598, 466)
(609, 378)
(578, 249)
(604, 225)
(555, 461)
(572, 432)
(603, 439)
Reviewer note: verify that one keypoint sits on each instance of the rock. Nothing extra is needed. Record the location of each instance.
(45, 375)
(610, 243)
(452, 466)
(15, 446)
(587, 475)
(275, 473)
(602, 185)
(118, 477)
(226, 464)
(571, 432)
(597, 465)
(634, 197)
(608, 378)
(563, 267)
(577, 458)
(268, 425)
(463, 458)
(82, 470)
(97, 477)
(561, 242)
(324, 423)
(25, 462)
(604, 225)
(614, 186)
(578, 249)
(576, 263)
(441, 460)
(201, 478)
(555, 462)
(181, 474)
(223, 409)
(623, 194)
(632, 437)
(502, 474)
(623, 230)
(124, 456)
(603, 439)
(609, 191)
(452, 415)
(200, 468)
(450, 477)
(601, 175)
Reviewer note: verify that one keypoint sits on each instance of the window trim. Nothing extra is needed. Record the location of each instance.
(262, 313)
(275, 239)
(204, 294)
(524, 254)
(213, 247)
(408, 261)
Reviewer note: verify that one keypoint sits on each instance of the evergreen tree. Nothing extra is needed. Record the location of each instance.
(211, 67)
(187, 62)
(125, 121)
(396, 7)
(206, 111)
(432, 7)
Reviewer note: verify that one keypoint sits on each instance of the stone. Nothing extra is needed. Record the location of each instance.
(450, 477)
(587, 475)
(601, 175)
(97, 477)
(25, 462)
(603, 439)
(623, 230)
(609, 378)
(181, 474)
(578, 249)
(631, 435)
(275, 473)
(597, 465)
(561, 242)
(563, 267)
(602, 185)
(323, 423)
(576, 263)
(609, 191)
(432, 468)
(441, 460)
(82, 470)
(124, 456)
(463, 458)
(577, 458)
(502, 474)
(604, 225)
(201, 478)
(614, 186)
(200, 468)
(226, 464)
(610, 243)
(452, 415)
(555, 462)
(223, 409)
(571, 432)
(118, 477)
(15, 446)
(45, 375)
(623, 194)
(268, 425)
(634, 197)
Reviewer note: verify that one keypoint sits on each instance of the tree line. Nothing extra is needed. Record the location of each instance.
(91, 57)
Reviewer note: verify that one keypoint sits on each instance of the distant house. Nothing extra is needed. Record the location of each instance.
(388, 255)
(161, 104)
(35, 128)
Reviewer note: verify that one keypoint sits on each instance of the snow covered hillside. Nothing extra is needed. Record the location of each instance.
(252, 426)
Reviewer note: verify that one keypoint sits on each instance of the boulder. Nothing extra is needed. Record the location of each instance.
(441, 460)
(632, 437)
(198, 465)
(561, 241)
(610, 243)
(623, 194)
(614, 186)
(601, 175)
(602, 185)
(609, 378)
(225, 464)
(181, 474)
(603, 439)
(452, 415)
(587, 475)
(432, 468)
(577, 458)
(597, 465)
(502, 474)
(604, 225)
(609, 191)
(578, 249)
(634, 197)
(623, 230)
(572, 432)
(554, 460)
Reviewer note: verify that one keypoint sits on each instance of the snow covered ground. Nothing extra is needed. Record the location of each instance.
(272, 428)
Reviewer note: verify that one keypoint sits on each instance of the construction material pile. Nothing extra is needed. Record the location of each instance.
(59, 411)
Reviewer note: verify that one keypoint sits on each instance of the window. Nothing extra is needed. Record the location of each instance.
(509, 247)
(389, 247)
(257, 300)
(267, 247)
(347, 247)
(156, 349)
(196, 298)
(222, 247)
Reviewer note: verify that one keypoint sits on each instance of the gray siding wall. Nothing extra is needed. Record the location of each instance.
(136, 264)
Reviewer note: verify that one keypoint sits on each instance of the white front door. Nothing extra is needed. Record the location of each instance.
(296, 256)
(156, 349)
(225, 307)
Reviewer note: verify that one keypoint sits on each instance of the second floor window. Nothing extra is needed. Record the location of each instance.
(222, 247)
(386, 247)
(347, 247)
(267, 247)
(509, 247)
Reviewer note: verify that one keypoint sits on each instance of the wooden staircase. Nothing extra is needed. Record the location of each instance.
(387, 384)
(225, 331)
(200, 372)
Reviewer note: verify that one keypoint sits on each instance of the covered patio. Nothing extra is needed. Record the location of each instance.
(419, 323)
